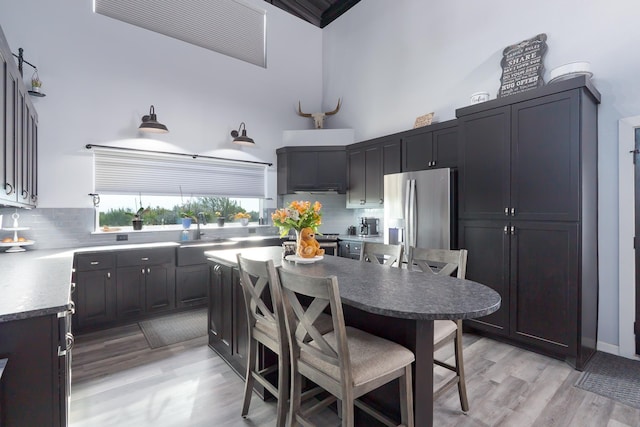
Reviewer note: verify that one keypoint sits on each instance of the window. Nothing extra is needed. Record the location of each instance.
(171, 185)
(162, 212)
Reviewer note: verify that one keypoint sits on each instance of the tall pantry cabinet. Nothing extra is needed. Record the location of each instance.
(528, 214)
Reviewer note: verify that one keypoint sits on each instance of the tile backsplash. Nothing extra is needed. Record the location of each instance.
(336, 218)
(52, 228)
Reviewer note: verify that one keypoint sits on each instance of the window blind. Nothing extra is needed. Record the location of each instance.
(163, 174)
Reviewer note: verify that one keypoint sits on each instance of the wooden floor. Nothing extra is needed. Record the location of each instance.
(119, 381)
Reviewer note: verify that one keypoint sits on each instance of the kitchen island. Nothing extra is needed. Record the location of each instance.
(396, 304)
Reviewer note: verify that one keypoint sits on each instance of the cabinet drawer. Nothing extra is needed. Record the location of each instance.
(94, 261)
(146, 256)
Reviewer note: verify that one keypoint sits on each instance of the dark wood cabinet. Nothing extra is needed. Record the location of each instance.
(114, 287)
(528, 214)
(18, 136)
(191, 285)
(228, 334)
(130, 291)
(367, 163)
(315, 168)
(434, 146)
(35, 380)
(544, 285)
(160, 286)
(349, 248)
(145, 281)
(488, 246)
(95, 294)
(484, 164)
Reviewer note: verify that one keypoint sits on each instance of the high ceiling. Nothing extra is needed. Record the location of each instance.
(318, 12)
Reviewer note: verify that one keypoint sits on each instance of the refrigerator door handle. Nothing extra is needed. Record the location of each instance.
(410, 215)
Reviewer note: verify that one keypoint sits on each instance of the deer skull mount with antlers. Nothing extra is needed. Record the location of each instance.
(318, 118)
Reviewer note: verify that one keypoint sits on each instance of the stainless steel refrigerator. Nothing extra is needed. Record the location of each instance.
(419, 209)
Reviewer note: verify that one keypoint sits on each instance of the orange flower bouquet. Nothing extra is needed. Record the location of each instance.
(298, 215)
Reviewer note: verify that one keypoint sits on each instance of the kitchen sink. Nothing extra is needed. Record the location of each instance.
(192, 252)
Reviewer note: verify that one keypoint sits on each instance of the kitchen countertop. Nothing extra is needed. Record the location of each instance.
(38, 282)
(386, 291)
(34, 283)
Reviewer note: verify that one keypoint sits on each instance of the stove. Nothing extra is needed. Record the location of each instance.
(327, 241)
(325, 237)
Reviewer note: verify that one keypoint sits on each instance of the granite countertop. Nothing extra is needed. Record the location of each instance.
(38, 282)
(386, 291)
(34, 283)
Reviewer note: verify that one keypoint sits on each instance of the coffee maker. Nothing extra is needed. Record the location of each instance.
(369, 226)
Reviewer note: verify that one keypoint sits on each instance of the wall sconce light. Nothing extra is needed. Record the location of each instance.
(242, 139)
(151, 124)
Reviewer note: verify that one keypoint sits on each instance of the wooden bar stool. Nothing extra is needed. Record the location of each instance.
(374, 252)
(445, 262)
(346, 362)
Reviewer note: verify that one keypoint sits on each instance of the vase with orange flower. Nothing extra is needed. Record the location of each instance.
(296, 216)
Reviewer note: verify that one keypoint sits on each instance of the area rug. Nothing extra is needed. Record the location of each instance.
(615, 377)
(174, 328)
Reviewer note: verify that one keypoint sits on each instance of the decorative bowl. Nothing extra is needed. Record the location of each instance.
(567, 71)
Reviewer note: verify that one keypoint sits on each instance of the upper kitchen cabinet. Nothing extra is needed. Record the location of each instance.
(18, 136)
(312, 169)
(367, 163)
(522, 160)
(430, 147)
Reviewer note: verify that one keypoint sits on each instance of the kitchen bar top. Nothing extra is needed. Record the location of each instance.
(386, 291)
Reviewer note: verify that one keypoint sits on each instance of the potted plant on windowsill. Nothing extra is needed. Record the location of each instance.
(242, 217)
(187, 218)
(136, 221)
(219, 218)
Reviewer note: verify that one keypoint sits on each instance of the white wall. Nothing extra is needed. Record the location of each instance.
(393, 61)
(101, 76)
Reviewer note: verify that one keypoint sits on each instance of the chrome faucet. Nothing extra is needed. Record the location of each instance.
(201, 217)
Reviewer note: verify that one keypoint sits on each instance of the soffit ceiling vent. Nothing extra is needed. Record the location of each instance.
(231, 27)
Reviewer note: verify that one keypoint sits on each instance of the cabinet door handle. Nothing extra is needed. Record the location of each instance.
(382, 201)
(144, 259)
(73, 287)
(108, 275)
(8, 188)
(513, 230)
(506, 211)
(70, 339)
(148, 270)
(143, 271)
(95, 262)
(506, 229)
(25, 194)
(72, 307)
(513, 211)
(362, 202)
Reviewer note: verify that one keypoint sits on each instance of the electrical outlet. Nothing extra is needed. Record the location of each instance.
(121, 237)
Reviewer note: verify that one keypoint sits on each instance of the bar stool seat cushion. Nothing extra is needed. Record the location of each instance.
(365, 351)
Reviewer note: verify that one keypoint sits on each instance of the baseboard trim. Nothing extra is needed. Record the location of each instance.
(608, 348)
